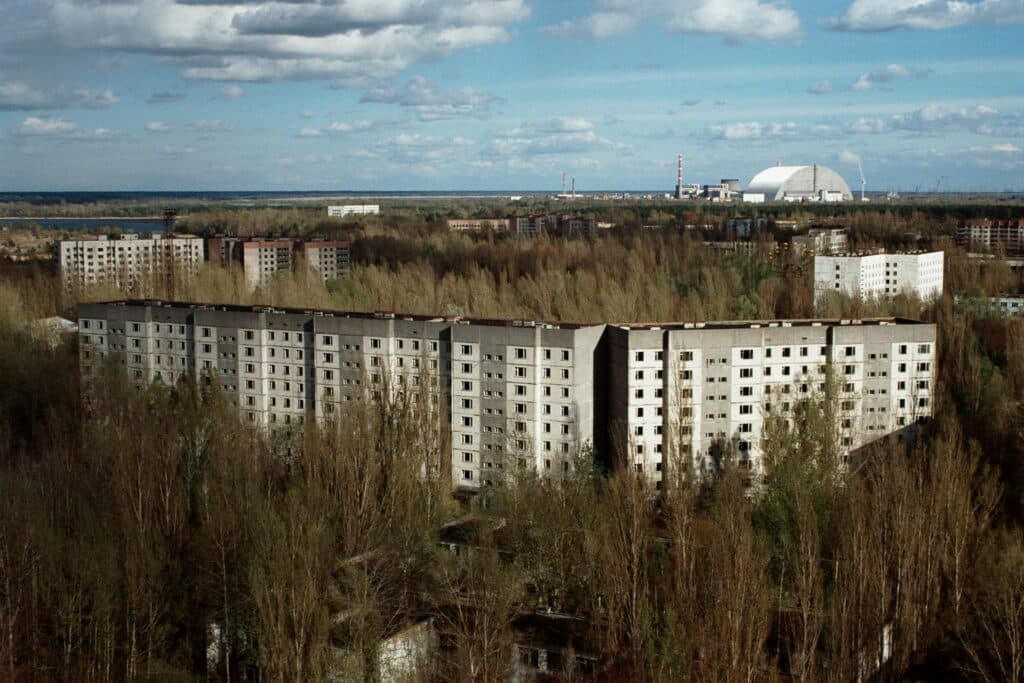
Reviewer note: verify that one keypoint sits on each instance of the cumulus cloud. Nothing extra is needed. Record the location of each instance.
(754, 130)
(356, 42)
(735, 20)
(165, 97)
(937, 118)
(821, 88)
(430, 104)
(848, 157)
(563, 135)
(159, 127)
(21, 96)
(884, 15)
(34, 126)
(885, 75)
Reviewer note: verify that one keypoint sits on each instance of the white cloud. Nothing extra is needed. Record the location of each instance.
(430, 104)
(848, 157)
(883, 15)
(754, 130)
(821, 88)
(562, 135)
(735, 20)
(21, 96)
(341, 128)
(231, 92)
(356, 42)
(885, 75)
(34, 126)
(159, 127)
(597, 25)
(935, 118)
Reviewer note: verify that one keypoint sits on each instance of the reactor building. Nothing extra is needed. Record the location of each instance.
(800, 184)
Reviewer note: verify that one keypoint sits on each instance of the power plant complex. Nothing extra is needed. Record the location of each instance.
(808, 183)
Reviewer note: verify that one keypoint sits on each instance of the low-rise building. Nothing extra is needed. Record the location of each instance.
(525, 395)
(353, 210)
(880, 275)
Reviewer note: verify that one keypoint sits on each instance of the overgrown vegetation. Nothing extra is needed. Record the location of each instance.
(153, 537)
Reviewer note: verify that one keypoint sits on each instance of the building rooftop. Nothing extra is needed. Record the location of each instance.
(380, 315)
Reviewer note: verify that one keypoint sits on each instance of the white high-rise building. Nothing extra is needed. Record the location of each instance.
(516, 395)
(880, 275)
(128, 262)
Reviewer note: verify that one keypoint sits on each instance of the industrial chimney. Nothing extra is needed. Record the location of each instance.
(679, 179)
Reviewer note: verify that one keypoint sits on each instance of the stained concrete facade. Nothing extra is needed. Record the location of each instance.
(517, 395)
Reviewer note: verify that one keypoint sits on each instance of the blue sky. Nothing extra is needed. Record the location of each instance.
(506, 94)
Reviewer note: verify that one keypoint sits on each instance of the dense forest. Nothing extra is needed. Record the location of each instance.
(153, 537)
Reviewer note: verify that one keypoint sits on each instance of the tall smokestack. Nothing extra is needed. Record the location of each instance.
(574, 186)
(563, 182)
(679, 179)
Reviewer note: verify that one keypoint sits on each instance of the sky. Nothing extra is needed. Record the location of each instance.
(405, 95)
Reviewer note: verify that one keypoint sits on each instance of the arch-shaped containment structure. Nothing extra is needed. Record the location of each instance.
(800, 183)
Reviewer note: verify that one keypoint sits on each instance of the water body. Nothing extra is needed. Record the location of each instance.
(137, 225)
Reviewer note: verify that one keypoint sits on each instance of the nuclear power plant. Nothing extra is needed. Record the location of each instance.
(809, 183)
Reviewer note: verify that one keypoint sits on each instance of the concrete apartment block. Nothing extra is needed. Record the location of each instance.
(128, 262)
(523, 395)
(262, 259)
(684, 395)
(880, 275)
(330, 258)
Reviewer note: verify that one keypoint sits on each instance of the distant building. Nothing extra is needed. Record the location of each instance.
(353, 210)
(880, 275)
(753, 197)
(743, 228)
(1000, 305)
(129, 262)
(479, 224)
(564, 224)
(331, 259)
(824, 241)
(800, 184)
(747, 247)
(988, 235)
(262, 259)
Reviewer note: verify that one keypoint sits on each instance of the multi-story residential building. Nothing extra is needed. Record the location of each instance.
(262, 259)
(989, 235)
(824, 241)
(991, 305)
(479, 224)
(691, 392)
(525, 395)
(130, 262)
(330, 258)
(880, 275)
